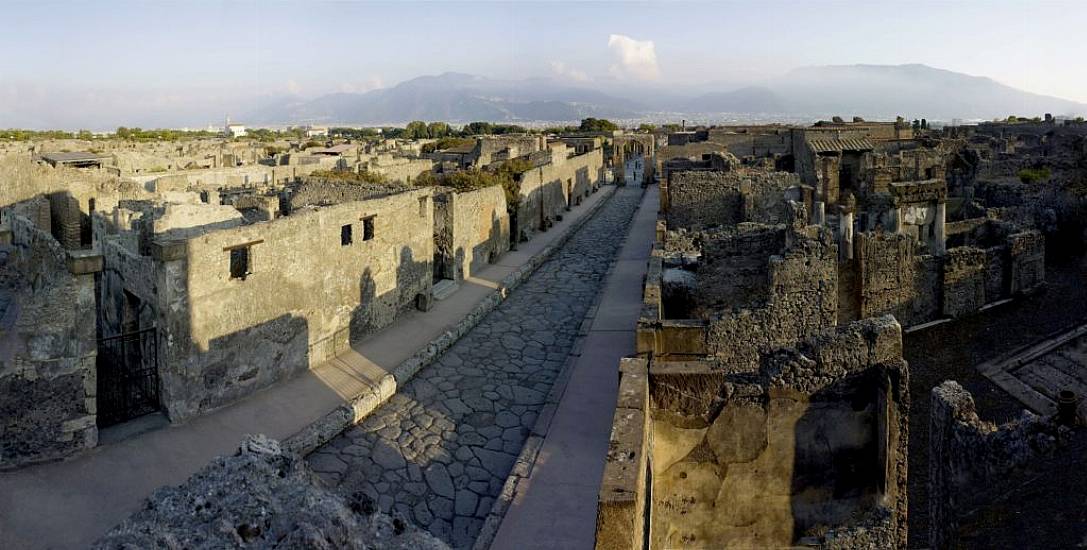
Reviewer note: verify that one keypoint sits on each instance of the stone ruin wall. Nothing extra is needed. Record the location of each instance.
(966, 452)
(707, 456)
(471, 229)
(403, 170)
(887, 275)
(306, 298)
(47, 353)
(711, 198)
(802, 300)
(547, 190)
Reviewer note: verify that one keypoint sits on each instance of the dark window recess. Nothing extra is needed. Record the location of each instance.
(345, 235)
(368, 228)
(422, 207)
(239, 263)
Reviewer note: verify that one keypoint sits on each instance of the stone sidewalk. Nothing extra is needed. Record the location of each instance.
(438, 452)
(554, 506)
(69, 504)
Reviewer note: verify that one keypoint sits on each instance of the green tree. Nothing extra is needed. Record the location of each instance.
(477, 129)
(437, 130)
(647, 128)
(597, 125)
(416, 129)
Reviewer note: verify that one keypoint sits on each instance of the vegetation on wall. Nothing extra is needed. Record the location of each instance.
(506, 174)
(342, 176)
(1034, 175)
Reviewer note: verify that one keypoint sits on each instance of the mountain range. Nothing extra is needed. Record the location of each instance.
(871, 91)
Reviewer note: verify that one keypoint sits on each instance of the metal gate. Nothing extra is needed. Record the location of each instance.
(128, 378)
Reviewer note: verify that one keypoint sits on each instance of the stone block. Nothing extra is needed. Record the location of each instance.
(84, 262)
(167, 251)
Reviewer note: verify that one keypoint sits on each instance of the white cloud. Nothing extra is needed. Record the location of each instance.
(373, 83)
(293, 87)
(634, 58)
(562, 70)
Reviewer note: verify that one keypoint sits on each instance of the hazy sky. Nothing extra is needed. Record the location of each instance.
(187, 55)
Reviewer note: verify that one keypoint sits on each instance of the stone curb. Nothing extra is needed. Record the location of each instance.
(527, 459)
(360, 406)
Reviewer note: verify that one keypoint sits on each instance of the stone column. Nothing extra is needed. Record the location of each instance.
(845, 235)
(940, 230)
(818, 215)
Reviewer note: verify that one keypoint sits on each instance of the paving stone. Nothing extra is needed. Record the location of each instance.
(437, 478)
(466, 503)
(388, 458)
(327, 463)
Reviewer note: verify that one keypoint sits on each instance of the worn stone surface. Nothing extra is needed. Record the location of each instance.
(459, 421)
(262, 497)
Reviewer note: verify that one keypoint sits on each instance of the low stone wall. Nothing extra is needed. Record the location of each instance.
(966, 452)
(262, 497)
(47, 349)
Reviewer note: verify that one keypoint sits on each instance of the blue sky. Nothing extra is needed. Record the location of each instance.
(164, 53)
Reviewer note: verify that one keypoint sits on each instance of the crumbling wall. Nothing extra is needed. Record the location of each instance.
(262, 497)
(809, 448)
(314, 281)
(734, 269)
(802, 300)
(713, 198)
(965, 452)
(47, 350)
(965, 270)
(1026, 253)
(894, 279)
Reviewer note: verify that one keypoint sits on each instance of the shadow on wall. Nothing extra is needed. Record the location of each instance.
(375, 311)
(235, 365)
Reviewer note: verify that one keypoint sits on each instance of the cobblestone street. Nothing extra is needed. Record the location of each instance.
(438, 452)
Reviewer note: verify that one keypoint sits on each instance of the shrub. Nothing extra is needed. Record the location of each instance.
(1034, 175)
(350, 177)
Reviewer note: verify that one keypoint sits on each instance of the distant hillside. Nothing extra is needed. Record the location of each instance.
(910, 90)
(453, 97)
(872, 91)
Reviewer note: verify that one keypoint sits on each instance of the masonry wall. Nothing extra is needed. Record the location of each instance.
(965, 452)
(47, 351)
(802, 300)
(306, 297)
(548, 190)
(713, 198)
(473, 228)
(894, 279)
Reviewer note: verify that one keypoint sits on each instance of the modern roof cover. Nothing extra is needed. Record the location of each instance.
(837, 145)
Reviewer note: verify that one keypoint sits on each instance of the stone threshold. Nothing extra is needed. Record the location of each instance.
(363, 404)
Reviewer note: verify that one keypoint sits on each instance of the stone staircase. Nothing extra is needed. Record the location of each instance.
(444, 289)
